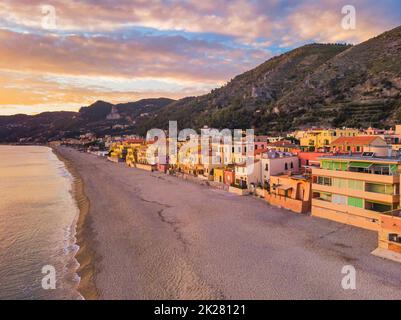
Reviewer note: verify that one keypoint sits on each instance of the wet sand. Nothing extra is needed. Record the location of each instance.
(153, 236)
(86, 254)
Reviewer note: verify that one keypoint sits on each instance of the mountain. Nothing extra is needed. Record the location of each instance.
(101, 118)
(248, 100)
(359, 87)
(316, 84)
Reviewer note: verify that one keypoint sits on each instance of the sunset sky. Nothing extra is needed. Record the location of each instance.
(123, 50)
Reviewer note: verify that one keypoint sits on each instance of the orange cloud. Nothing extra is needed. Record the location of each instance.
(123, 50)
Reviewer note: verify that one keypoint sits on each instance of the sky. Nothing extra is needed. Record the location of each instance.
(63, 54)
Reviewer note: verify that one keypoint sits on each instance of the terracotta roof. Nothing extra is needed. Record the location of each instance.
(358, 140)
(260, 151)
(282, 143)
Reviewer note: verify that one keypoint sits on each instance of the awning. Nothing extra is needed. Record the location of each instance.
(284, 187)
(361, 165)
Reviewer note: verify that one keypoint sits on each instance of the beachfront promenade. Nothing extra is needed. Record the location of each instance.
(161, 237)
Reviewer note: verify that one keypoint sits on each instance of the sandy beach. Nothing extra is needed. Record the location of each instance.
(148, 235)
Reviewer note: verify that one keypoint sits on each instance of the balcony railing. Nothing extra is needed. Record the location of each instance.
(393, 213)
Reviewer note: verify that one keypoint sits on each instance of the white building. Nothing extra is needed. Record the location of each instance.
(275, 163)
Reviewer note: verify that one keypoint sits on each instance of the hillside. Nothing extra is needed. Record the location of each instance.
(359, 87)
(318, 84)
(248, 99)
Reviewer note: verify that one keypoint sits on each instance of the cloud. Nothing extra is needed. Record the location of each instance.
(125, 49)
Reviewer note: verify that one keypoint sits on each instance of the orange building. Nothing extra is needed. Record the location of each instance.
(282, 146)
(358, 144)
(229, 177)
(356, 189)
(292, 192)
(390, 236)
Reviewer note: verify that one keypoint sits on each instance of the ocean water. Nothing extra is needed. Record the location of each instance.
(37, 225)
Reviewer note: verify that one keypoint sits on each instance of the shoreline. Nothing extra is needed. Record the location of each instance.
(86, 255)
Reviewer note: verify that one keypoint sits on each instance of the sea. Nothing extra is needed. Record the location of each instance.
(38, 218)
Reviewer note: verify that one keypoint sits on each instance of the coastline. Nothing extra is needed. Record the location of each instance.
(86, 255)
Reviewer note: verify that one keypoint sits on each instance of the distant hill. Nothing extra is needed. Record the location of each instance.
(317, 84)
(100, 117)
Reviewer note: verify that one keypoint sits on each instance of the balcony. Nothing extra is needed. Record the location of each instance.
(341, 208)
(381, 197)
(380, 178)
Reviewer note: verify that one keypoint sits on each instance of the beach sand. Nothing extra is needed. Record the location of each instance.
(148, 235)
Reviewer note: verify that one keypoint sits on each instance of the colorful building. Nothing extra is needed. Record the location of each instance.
(320, 139)
(390, 232)
(308, 160)
(292, 192)
(277, 163)
(282, 146)
(229, 176)
(218, 174)
(360, 144)
(247, 174)
(118, 152)
(355, 189)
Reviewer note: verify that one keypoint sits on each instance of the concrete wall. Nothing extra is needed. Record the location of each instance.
(294, 205)
(345, 214)
(237, 191)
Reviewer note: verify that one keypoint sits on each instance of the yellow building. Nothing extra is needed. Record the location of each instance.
(133, 147)
(356, 190)
(117, 152)
(218, 174)
(313, 140)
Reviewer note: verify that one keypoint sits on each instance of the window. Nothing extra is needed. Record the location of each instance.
(378, 206)
(355, 202)
(339, 199)
(355, 185)
(324, 196)
(334, 165)
(267, 167)
(325, 181)
(286, 166)
(292, 165)
(380, 188)
(339, 183)
(339, 166)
